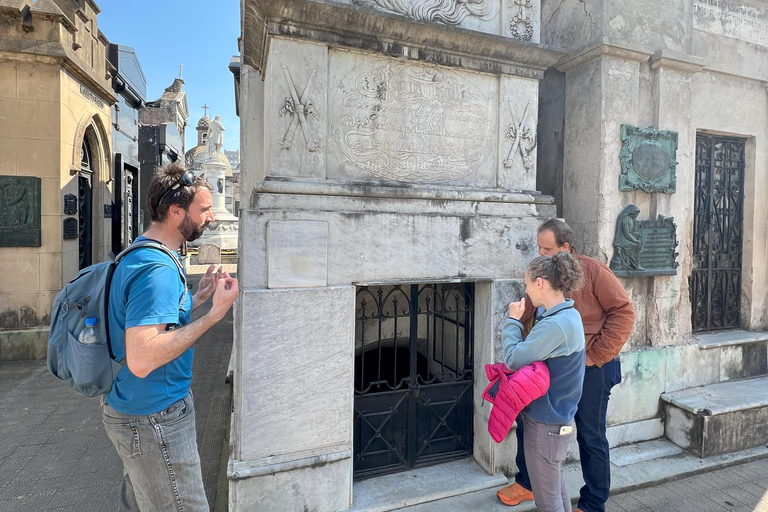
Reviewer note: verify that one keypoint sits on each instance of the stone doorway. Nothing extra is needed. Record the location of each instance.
(413, 376)
(718, 229)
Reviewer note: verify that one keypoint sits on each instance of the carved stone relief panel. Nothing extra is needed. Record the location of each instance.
(480, 15)
(516, 19)
(518, 115)
(521, 20)
(295, 108)
(402, 121)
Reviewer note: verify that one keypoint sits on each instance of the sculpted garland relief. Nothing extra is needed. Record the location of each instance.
(412, 123)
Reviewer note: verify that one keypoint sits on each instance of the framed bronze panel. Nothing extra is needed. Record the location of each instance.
(20, 211)
(648, 159)
(644, 247)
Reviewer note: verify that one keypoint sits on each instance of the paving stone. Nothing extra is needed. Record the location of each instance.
(54, 453)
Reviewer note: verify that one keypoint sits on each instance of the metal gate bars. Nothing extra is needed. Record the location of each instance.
(715, 282)
(413, 375)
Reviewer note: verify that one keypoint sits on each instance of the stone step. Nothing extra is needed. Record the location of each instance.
(741, 354)
(718, 418)
(639, 474)
(409, 488)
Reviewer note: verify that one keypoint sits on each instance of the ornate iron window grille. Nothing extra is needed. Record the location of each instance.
(413, 376)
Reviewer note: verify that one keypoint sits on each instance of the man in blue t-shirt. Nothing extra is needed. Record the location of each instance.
(149, 412)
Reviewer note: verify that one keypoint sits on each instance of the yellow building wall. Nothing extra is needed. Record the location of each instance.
(43, 117)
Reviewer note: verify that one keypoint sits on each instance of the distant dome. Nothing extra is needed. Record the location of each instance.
(195, 157)
(204, 122)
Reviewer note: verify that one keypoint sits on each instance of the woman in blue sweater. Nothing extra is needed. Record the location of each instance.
(558, 340)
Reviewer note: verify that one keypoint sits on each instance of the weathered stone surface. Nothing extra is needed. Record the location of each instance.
(24, 344)
(396, 36)
(643, 380)
(317, 327)
(407, 122)
(295, 109)
(323, 487)
(518, 119)
(434, 246)
(719, 418)
(297, 253)
(689, 366)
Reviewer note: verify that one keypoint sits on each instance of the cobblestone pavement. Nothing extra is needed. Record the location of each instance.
(54, 453)
(742, 488)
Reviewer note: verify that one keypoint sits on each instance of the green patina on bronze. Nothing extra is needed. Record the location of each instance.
(20, 211)
(644, 247)
(648, 159)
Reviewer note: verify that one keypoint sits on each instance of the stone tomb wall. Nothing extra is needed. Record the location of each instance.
(365, 169)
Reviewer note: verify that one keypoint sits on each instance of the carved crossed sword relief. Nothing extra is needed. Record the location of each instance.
(519, 133)
(299, 108)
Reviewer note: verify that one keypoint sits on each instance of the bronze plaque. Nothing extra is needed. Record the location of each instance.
(70, 204)
(20, 211)
(645, 247)
(648, 159)
(70, 228)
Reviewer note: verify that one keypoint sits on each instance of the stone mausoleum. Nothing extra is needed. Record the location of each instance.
(397, 158)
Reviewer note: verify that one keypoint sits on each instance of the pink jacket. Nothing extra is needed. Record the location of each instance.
(510, 391)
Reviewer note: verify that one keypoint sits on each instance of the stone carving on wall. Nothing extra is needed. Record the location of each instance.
(299, 107)
(648, 159)
(522, 136)
(521, 25)
(644, 248)
(20, 210)
(409, 122)
(450, 12)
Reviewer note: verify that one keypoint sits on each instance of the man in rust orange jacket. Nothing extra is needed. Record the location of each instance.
(607, 314)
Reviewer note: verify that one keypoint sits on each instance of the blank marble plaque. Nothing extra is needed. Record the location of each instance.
(297, 253)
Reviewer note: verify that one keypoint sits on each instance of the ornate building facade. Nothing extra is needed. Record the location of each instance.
(395, 173)
(56, 154)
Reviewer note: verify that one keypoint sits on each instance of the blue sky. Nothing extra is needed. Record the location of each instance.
(165, 33)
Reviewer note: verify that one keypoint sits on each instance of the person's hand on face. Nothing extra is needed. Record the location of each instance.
(516, 309)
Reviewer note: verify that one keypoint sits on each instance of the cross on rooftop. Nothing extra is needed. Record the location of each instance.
(205, 110)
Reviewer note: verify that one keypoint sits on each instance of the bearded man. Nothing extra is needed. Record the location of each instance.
(149, 413)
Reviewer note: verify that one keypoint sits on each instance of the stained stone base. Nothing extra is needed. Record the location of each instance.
(322, 488)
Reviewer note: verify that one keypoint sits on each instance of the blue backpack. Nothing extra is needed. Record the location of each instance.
(89, 369)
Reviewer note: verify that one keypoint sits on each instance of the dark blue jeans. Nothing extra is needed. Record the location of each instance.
(590, 433)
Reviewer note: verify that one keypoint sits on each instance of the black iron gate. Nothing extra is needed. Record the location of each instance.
(715, 282)
(413, 376)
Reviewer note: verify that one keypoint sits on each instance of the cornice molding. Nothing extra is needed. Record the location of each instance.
(353, 27)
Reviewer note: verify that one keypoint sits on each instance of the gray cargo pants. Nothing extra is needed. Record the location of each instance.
(545, 452)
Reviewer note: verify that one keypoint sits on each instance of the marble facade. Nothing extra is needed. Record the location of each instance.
(371, 165)
(426, 144)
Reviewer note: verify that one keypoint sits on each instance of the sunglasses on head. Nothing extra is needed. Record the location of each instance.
(187, 179)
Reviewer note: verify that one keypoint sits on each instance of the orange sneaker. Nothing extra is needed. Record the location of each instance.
(513, 494)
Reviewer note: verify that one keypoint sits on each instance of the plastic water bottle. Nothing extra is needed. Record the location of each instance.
(88, 335)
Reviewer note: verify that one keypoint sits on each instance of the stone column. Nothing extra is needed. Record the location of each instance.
(668, 309)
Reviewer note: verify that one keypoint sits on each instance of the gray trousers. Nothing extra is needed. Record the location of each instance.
(545, 452)
(161, 466)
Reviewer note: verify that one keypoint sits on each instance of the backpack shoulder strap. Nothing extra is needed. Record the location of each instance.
(160, 247)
